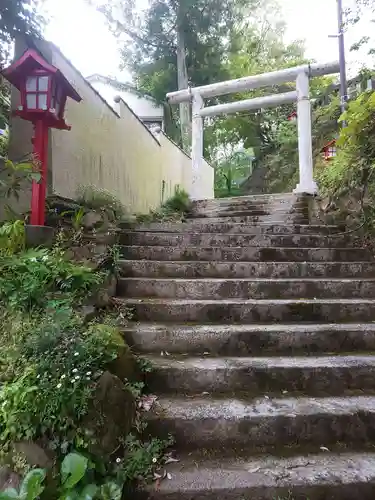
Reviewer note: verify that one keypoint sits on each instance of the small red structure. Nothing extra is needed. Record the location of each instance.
(44, 92)
(293, 116)
(329, 150)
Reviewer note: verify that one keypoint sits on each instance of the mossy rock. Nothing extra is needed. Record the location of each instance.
(125, 366)
(111, 416)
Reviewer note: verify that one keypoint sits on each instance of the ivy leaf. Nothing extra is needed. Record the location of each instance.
(110, 491)
(89, 492)
(69, 495)
(32, 485)
(8, 494)
(73, 469)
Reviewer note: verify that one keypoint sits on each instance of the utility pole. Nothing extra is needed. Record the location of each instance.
(343, 82)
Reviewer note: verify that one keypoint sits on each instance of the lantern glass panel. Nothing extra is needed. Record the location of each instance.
(43, 83)
(31, 82)
(31, 101)
(42, 101)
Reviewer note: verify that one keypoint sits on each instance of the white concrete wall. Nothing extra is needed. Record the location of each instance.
(142, 106)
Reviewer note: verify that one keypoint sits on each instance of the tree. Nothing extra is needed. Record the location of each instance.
(17, 16)
(233, 168)
(175, 43)
(258, 48)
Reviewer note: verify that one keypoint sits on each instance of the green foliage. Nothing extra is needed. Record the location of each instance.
(141, 458)
(354, 164)
(13, 175)
(152, 55)
(30, 489)
(73, 468)
(19, 16)
(173, 209)
(40, 278)
(179, 202)
(12, 237)
(231, 171)
(100, 199)
(74, 485)
(282, 161)
(51, 360)
(49, 365)
(4, 116)
(174, 43)
(281, 154)
(256, 48)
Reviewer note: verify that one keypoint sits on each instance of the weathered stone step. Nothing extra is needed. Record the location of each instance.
(250, 311)
(195, 269)
(250, 211)
(233, 240)
(265, 423)
(214, 288)
(275, 219)
(230, 228)
(274, 202)
(311, 376)
(324, 476)
(244, 340)
(245, 254)
(256, 197)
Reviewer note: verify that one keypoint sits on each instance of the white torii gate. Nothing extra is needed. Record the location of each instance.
(301, 74)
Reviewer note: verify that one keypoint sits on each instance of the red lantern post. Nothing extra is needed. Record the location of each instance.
(44, 92)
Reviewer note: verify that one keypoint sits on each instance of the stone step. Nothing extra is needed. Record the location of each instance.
(275, 219)
(249, 340)
(244, 254)
(225, 270)
(264, 423)
(261, 201)
(250, 311)
(310, 376)
(249, 210)
(215, 288)
(322, 476)
(230, 228)
(234, 240)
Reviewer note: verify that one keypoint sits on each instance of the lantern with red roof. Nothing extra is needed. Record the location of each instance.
(44, 92)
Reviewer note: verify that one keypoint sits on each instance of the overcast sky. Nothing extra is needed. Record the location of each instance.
(83, 37)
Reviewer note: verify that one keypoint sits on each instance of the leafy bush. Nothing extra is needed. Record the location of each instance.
(173, 209)
(179, 202)
(14, 174)
(140, 459)
(348, 180)
(49, 367)
(282, 163)
(74, 485)
(37, 278)
(100, 199)
(355, 161)
(51, 361)
(12, 237)
(30, 489)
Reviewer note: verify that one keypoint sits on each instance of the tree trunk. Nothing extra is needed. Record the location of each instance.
(183, 82)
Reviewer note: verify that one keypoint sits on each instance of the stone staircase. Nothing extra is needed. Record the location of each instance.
(261, 331)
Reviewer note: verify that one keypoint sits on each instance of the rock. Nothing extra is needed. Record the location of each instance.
(9, 479)
(110, 417)
(34, 454)
(107, 290)
(92, 220)
(125, 366)
(88, 312)
(79, 253)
